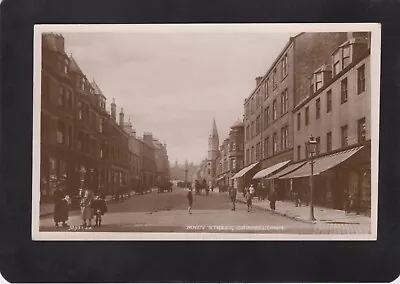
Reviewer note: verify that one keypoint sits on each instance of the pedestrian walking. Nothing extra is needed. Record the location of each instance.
(272, 200)
(297, 200)
(99, 208)
(348, 203)
(252, 191)
(190, 200)
(232, 195)
(249, 201)
(86, 208)
(61, 205)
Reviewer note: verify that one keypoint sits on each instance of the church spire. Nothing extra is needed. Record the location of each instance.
(214, 131)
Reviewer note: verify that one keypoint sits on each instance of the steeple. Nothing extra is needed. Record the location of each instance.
(214, 131)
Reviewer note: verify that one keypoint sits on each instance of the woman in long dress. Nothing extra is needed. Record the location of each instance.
(60, 206)
(86, 208)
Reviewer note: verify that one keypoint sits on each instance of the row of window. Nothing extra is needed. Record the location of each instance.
(233, 165)
(94, 120)
(255, 153)
(86, 144)
(264, 90)
(254, 128)
(65, 94)
(361, 137)
(343, 97)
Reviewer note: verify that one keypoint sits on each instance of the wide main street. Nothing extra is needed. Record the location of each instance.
(167, 212)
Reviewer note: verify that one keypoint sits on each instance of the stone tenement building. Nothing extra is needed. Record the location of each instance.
(81, 142)
(268, 118)
(231, 156)
(337, 113)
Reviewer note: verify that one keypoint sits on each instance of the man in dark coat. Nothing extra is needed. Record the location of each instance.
(60, 206)
(232, 195)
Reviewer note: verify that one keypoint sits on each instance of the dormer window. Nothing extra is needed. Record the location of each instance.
(342, 57)
(318, 81)
(346, 56)
(336, 63)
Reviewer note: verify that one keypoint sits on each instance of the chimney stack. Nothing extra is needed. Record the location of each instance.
(113, 110)
(121, 117)
(258, 80)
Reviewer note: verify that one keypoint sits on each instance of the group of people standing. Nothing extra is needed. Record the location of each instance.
(92, 205)
(249, 193)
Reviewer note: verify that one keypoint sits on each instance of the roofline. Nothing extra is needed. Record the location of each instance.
(290, 41)
(333, 80)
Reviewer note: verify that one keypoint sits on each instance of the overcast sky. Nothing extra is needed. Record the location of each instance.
(173, 84)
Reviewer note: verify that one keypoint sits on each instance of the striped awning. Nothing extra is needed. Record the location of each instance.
(287, 170)
(322, 164)
(270, 170)
(243, 171)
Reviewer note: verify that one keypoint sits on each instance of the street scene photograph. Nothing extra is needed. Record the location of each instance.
(196, 131)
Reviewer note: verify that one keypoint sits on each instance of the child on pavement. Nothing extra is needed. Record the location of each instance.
(99, 207)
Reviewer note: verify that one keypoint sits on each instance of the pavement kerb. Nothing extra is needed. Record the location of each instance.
(280, 213)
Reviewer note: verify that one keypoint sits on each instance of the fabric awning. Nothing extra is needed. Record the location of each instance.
(287, 170)
(322, 164)
(270, 170)
(243, 171)
(221, 177)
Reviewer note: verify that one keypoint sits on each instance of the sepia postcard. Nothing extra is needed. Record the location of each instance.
(206, 132)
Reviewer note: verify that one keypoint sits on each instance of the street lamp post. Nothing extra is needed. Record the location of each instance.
(312, 145)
